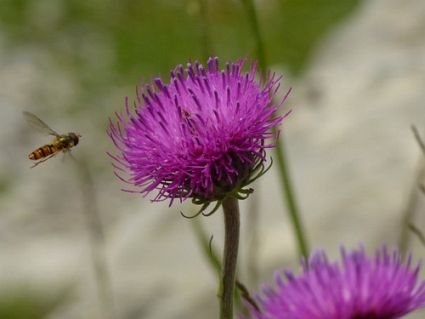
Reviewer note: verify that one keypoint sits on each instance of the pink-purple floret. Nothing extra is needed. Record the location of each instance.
(361, 287)
(184, 138)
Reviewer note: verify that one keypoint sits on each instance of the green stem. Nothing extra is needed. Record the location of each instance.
(292, 206)
(252, 228)
(408, 214)
(97, 240)
(261, 53)
(409, 211)
(212, 256)
(207, 50)
(208, 250)
(290, 198)
(230, 255)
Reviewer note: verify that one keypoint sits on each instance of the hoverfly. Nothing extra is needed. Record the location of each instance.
(61, 142)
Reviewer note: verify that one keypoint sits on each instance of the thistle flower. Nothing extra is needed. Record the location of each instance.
(361, 287)
(202, 136)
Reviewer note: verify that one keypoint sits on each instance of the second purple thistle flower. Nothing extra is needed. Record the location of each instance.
(202, 136)
(359, 287)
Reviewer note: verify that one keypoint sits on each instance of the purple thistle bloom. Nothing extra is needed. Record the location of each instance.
(361, 287)
(202, 136)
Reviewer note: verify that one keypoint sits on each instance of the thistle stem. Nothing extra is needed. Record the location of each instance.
(284, 177)
(230, 255)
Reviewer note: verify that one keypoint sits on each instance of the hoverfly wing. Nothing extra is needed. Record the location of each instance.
(38, 124)
(67, 156)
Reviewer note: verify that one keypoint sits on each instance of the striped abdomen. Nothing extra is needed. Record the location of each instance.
(44, 151)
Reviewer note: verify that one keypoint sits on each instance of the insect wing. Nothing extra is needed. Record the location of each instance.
(38, 124)
(67, 155)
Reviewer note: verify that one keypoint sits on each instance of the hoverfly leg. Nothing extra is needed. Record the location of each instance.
(43, 160)
(71, 156)
(67, 155)
(64, 156)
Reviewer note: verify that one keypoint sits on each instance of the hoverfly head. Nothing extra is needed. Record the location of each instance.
(75, 137)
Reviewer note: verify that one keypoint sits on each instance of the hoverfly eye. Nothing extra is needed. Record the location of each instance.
(75, 138)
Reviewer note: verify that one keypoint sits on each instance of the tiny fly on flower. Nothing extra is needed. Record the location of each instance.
(61, 142)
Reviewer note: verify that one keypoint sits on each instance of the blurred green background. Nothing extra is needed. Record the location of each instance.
(88, 54)
(109, 43)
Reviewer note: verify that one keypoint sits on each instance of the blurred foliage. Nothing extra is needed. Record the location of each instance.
(27, 304)
(115, 40)
(94, 48)
(4, 184)
(108, 44)
(302, 25)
